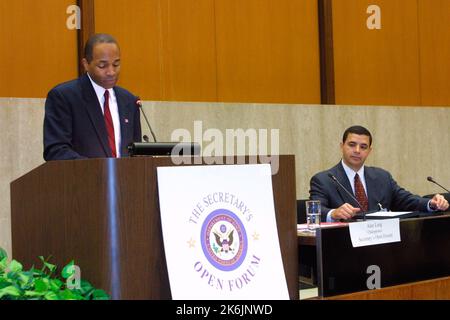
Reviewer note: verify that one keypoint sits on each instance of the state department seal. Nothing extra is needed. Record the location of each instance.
(224, 240)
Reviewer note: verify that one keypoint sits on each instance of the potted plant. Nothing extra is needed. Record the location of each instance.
(44, 283)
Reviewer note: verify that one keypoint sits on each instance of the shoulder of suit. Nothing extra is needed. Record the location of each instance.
(124, 92)
(324, 174)
(66, 85)
(376, 170)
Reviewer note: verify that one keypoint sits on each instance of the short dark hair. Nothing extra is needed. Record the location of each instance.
(360, 130)
(95, 39)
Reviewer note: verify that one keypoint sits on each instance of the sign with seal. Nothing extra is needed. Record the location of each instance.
(220, 233)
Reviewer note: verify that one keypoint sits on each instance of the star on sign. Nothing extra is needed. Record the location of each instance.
(256, 236)
(191, 243)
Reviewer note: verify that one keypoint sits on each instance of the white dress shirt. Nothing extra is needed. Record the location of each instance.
(351, 177)
(113, 108)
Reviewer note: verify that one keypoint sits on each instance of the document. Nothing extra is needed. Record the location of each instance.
(389, 214)
(304, 226)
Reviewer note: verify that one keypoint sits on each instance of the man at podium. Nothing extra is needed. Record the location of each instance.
(351, 187)
(91, 117)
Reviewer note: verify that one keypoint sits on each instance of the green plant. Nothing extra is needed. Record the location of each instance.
(43, 284)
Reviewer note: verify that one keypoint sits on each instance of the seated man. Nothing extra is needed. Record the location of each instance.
(372, 187)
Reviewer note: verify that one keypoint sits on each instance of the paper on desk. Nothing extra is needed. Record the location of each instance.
(304, 226)
(388, 213)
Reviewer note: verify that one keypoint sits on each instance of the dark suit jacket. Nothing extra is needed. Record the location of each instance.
(381, 188)
(74, 127)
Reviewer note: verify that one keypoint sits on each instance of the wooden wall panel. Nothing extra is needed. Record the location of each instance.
(216, 50)
(37, 50)
(434, 21)
(379, 67)
(189, 53)
(137, 27)
(268, 51)
(435, 289)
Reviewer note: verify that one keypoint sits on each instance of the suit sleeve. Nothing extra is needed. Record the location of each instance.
(58, 128)
(318, 191)
(403, 200)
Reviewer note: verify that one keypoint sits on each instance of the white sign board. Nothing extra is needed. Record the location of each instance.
(372, 232)
(220, 233)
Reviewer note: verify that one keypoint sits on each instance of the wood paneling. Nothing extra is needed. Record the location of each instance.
(378, 67)
(168, 46)
(267, 51)
(434, 17)
(87, 28)
(189, 53)
(137, 27)
(37, 50)
(216, 50)
(437, 289)
(327, 86)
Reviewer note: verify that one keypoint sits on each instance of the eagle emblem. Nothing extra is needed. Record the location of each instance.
(224, 242)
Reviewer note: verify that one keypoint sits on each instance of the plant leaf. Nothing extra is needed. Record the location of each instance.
(40, 285)
(86, 287)
(55, 284)
(68, 270)
(34, 284)
(15, 266)
(9, 291)
(99, 294)
(3, 264)
(30, 293)
(3, 254)
(4, 283)
(47, 265)
(23, 279)
(51, 296)
(70, 295)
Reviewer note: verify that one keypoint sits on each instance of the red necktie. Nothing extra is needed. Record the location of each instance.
(361, 194)
(109, 125)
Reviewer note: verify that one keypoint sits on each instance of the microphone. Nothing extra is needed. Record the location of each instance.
(139, 104)
(348, 192)
(432, 180)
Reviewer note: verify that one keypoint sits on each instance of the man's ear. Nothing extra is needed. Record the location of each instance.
(85, 64)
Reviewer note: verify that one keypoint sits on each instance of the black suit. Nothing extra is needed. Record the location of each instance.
(74, 127)
(381, 189)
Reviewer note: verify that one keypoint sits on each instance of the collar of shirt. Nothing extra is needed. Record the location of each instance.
(100, 92)
(113, 107)
(351, 176)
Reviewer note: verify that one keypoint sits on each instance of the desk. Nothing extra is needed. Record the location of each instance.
(422, 254)
(307, 258)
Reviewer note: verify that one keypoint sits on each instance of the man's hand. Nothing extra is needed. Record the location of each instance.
(438, 203)
(344, 212)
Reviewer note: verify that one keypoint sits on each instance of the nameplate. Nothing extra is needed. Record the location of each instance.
(373, 232)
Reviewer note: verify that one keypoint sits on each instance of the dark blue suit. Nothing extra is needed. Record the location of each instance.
(74, 127)
(381, 188)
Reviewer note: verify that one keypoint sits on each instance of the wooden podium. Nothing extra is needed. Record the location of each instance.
(104, 214)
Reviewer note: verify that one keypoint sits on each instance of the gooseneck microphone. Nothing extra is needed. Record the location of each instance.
(139, 104)
(432, 180)
(348, 192)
